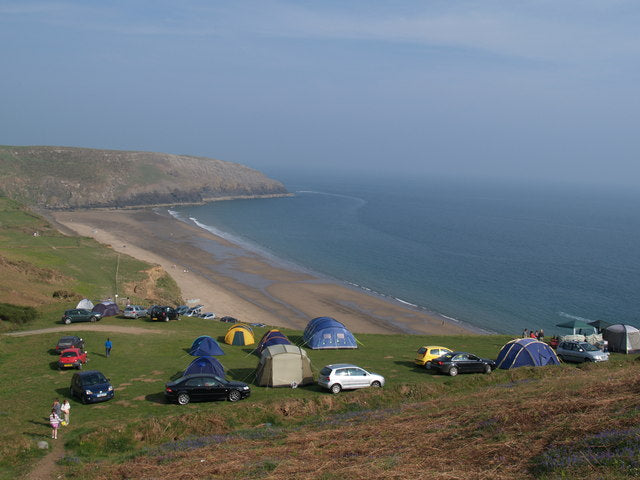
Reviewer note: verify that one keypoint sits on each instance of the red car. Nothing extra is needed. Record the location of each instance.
(72, 357)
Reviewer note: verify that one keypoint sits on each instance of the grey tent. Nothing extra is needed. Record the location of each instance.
(600, 325)
(622, 338)
(85, 303)
(283, 366)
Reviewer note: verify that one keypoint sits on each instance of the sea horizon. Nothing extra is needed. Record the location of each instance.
(496, 256)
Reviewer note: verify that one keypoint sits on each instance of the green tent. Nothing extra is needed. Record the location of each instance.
(582, 328)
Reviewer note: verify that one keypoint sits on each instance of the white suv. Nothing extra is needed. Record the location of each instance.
(344, 376)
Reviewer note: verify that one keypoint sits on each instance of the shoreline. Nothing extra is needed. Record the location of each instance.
(230, 279)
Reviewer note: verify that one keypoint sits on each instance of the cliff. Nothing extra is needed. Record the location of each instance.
(68, 177)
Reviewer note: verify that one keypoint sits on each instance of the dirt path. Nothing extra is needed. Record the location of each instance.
(47, 467)
(88, 327)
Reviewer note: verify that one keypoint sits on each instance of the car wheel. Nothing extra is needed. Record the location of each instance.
(71, 393)
(67, 321)
(80, 366)
(83, 399)
(183, 399)
(336, 388)
(586, 360)
(234, 396)
(376, 384)
(453, 371)
(93, 319)
(427, 365)
(487, 369)
(135, 316)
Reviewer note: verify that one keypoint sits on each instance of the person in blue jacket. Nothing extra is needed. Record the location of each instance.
(107, 347)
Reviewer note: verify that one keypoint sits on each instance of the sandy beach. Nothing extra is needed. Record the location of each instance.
(230, 280)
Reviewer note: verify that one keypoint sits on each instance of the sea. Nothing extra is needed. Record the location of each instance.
(500, 256)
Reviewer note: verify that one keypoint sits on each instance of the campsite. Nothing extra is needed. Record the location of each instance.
(143, 361)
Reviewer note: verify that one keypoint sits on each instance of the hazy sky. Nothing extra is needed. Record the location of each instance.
(539, 89)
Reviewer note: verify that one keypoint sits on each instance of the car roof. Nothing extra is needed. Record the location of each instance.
(73, 337)
(341, 365)
(435, 346)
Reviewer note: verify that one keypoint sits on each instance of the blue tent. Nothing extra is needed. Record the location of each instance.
(272, 337)
(327, 332)
(205, 347)
(106, 309)
(526, 352)
(205, 365)
(197, 341)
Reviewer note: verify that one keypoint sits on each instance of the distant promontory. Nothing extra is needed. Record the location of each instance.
(63, 178)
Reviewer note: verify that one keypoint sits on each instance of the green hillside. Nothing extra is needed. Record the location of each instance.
(68, 177)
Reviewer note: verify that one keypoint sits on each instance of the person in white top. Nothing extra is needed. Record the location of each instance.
(66, 409)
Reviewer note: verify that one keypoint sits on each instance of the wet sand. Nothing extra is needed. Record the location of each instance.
(230, 280)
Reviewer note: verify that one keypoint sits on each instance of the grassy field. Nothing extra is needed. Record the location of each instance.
(568, 421)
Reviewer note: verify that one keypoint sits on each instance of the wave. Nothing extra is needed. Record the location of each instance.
(360, 201)
(574, 317)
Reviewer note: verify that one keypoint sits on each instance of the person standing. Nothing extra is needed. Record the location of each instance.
(107, 346)
(57, 407)
(525, 333)
(541, 335)
(66, 410)
(54, 421)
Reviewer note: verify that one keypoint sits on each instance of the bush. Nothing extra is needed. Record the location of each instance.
(17, 314)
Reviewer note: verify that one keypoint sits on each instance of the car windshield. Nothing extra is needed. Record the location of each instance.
(69, 354)
(589, 348)
(94, 379)
(448, 356)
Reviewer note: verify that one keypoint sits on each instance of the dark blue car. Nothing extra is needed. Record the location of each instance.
(91, 386)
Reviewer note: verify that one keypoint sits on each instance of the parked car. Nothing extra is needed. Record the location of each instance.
(345, 376)
(72, 358)
(194, 311)
(429, 352)
(80, 315)
(70, 341)
(202, 387)
(134, 311)
(182, 309)
(208, 316)
(228, 319)
(574, 351)
(91, 386)
(461, 362)
(163, 314)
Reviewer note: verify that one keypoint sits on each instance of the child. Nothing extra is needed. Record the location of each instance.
(54, 421)
(66, 409)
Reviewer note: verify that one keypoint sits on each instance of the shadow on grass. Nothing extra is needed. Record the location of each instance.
(156, 398)
(247, 375)
(43, 423)
(408, 364)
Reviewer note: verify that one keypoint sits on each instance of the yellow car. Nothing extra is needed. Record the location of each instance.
(428, 353)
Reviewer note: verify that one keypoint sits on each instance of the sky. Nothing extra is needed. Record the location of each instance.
(534, 90)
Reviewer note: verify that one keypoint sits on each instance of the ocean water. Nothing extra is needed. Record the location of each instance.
(498, 256)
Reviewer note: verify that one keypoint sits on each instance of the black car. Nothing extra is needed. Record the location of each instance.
(162, 314)
(228, 319)
(462, 362)
(202, 386)
(91, 386)
(70, 341)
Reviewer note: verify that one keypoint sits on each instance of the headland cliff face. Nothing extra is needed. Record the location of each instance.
(67, 178)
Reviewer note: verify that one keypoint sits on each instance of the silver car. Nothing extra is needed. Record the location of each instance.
(135, 311)
(574, 351)
(344, 376)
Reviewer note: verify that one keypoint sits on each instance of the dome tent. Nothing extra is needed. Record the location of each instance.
(205, 365)
(204, 347)
(622, 338)
(239, 334)
(526, 352)
(327, 332)
(272, 337)
(86, 304)
(106, 309)
(283, 366)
